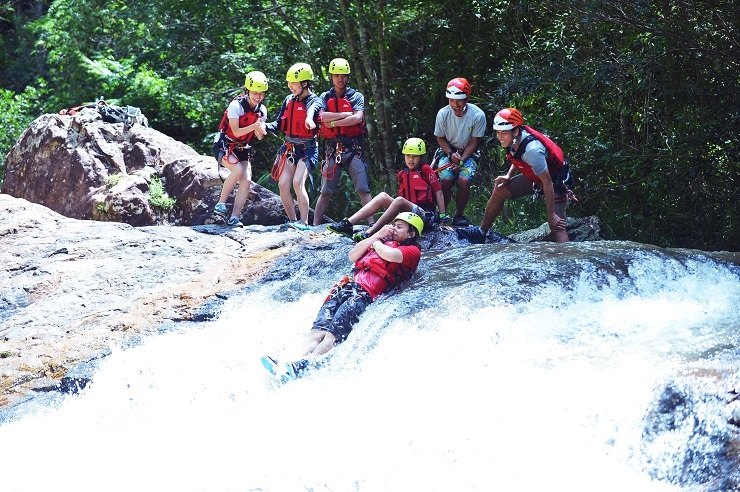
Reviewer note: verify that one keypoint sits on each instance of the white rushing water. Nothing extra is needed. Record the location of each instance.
(483, 376)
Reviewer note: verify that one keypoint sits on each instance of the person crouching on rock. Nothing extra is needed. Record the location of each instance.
(382, 261)
(243, 120)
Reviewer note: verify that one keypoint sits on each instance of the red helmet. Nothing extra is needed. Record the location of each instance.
(507, 119)
(458, 88)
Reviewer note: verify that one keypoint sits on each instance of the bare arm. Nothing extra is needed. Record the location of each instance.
(556, 223)
(238, 131)
(386, 252)
(440, 199)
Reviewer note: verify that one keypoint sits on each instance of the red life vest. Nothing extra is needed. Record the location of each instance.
(553, 154)
(385, 274)
(413, 187)
(249, 117)
(336, 104)
(293, 120)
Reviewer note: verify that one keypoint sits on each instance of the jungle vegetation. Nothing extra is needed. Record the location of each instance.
(642, 95)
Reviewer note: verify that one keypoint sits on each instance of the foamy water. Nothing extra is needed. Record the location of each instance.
(477, 390)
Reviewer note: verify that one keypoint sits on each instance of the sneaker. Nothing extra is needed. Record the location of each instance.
(288, 373)
(270, 364)
(234, 222)
(343, 227)
(460, 221)
(473, 235)
(299, 226)
(220, 209)
(359, 236)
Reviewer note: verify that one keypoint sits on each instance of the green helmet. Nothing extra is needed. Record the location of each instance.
(256, 81)
(339, 66)
(414, 146)
(299, 72)
(412, 219)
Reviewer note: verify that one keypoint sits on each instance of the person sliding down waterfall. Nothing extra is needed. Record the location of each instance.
(382, 261)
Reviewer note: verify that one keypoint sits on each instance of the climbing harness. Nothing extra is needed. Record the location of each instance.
(232, 146)
(287, 155)
(328, 170)
(337, 287)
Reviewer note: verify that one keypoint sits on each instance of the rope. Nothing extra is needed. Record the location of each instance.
(328, 171)
(279, 164)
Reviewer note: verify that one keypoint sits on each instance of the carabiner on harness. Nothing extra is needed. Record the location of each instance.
(329, 171)
(288, 155)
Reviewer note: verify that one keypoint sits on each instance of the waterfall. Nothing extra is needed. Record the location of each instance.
(594, 366)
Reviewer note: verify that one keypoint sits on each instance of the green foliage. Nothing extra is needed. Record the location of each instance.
(641, 95)
(113, 180)
(19, 111)
(158, 196)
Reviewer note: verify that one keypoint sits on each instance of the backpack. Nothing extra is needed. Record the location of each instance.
(128, 115)
(555, 158)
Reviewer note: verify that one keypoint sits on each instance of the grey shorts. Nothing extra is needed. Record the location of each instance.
(520, 186)
(356, 167)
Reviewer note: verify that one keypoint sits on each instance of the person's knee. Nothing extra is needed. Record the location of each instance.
(499, 194)
(399, 203)
(384, 199)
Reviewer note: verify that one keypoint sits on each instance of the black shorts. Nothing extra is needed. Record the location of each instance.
(221, 147)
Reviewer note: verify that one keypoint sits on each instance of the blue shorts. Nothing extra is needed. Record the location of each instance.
(308, 151)
(467, 170)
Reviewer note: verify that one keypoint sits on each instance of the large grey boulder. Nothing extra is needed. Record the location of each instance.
(85, 168)
(69, 288)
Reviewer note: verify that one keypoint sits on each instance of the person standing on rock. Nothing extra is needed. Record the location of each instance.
(381, 262)
(459, 126)
(543, 170)
(243, 120)
(343, 127)
(299, 154)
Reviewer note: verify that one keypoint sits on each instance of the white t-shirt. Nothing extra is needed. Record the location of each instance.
(459, 130)
(235, 110)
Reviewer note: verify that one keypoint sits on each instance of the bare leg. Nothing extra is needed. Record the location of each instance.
(398, 205)
(318, 342)
(381, 201)
(365, 199)
(494, 207)
(236, 172)
(320, 208)
(446, 191)
(284, 183)
(245, 183)
(560, 236)
(299, 185)
(463, 195)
